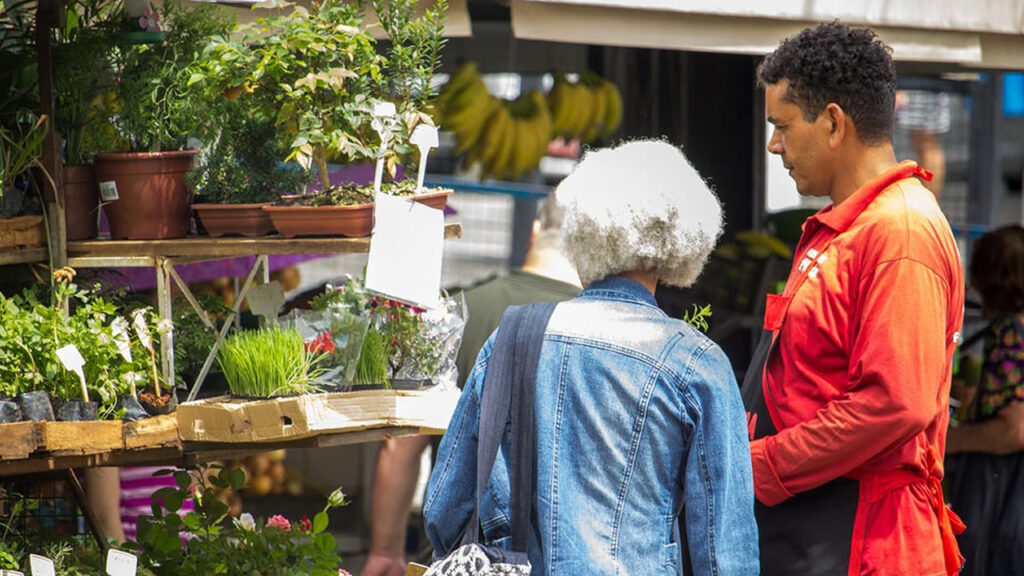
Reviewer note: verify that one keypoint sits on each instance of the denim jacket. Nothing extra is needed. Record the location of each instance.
(638, 417)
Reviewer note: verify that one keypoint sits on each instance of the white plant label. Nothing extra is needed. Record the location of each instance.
(41, 565)
(381, 110)
(108, 191)
(121, 338)
(121, 563)
(405, 251)
(72, 359)
(423, 137)
(141, 330)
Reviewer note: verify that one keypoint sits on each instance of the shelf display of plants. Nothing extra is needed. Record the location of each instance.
(79, 366)
(319, 74)
(157, 108)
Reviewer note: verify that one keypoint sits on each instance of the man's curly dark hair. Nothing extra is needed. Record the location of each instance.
(837, 63)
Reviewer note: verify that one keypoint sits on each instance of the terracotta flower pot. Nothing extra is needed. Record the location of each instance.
(245, 219)
(81, 202)
(153, 202)
(434, 199)
(353, 221)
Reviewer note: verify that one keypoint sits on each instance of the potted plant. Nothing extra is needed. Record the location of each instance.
(20, 150)
(241, 172)
(319, 73)
(157, 110)
(270, 361)
(83, 84)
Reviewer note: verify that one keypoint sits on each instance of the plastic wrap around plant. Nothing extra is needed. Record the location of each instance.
(437, 344)
(336, 332)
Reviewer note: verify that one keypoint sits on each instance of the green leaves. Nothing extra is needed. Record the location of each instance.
(267, 362)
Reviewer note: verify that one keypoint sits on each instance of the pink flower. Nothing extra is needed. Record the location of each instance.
(343, 572)
(279, 522)
(305, 525)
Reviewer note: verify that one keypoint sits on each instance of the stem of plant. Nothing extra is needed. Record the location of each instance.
(152, 365)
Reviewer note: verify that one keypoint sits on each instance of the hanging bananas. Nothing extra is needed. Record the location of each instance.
(509, 138)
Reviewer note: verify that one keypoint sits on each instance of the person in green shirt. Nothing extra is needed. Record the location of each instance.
(545, 276)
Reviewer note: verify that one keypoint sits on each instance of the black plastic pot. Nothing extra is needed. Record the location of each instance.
(404, 384)
(132, 409)
(36, 405)
(362, 387)
(77, 411)
(9, 411)
(156, 410)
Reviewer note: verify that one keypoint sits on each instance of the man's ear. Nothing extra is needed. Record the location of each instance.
(836, 118)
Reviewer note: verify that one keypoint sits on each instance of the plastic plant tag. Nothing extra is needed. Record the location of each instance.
(11, 573)
(41, 565)
(265, 300)
(124, 342)
(423, 137)
(141, 330)
(121, 563)
(381, 110)
(405, 251)
(72, 359)
(108, 191)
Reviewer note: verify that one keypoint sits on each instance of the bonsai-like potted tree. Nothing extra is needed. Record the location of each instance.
(157, 111)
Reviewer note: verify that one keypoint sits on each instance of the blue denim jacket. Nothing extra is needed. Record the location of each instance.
(637, 414)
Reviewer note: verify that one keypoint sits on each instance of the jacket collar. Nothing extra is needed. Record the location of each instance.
(839, 218)
(619, 288)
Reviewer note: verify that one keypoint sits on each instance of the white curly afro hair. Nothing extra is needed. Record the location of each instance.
(639, 206)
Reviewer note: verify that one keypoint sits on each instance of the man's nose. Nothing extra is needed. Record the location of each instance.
(775, 144)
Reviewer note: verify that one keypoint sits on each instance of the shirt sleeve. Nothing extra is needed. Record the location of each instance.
(721, 532)
(898, 367)
(1004, 365)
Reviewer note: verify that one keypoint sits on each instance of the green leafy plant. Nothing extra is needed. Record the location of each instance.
(311, 70)
(270, 361)
(21, 148)
(193, 340)
(698, 318)
(245, 164)
(157, 106)
(272, 547)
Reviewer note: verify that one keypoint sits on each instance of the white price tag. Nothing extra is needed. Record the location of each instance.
(108, 191)
(121, 563)
(423, 137)
(70, 357)
(41, 565)
(141, 330)
(405, 251)
(121, 338)
(383, 109)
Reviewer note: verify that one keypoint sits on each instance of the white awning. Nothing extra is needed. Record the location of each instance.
(977, 34)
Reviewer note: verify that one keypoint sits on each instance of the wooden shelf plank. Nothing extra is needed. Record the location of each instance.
(24, 255)
(136, 252)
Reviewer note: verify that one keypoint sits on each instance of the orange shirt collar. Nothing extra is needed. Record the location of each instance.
(840, 217)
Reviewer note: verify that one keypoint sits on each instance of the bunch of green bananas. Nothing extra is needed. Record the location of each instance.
(590, 109)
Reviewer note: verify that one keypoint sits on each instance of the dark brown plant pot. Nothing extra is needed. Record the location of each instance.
(81, 202)
(234, 219)
(155, 405)
(353, 221)
(153, 202)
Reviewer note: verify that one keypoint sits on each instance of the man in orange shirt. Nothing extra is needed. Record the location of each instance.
(847, 396)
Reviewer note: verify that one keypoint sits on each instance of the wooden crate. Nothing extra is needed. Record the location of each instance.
(74, 438)
(22, 231)
(227, 419)
(155, 432)
(19, 440)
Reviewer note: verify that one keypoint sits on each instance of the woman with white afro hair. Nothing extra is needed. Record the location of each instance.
(639, 207)
(634, 413)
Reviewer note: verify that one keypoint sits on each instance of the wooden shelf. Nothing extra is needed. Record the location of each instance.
(205, 248)
(24, 255)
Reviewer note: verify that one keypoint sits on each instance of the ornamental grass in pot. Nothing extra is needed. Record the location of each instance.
(271, 361)
(158, 108)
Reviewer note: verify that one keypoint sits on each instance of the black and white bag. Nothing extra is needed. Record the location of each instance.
(507, 398)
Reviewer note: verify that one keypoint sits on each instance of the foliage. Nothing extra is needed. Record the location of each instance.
(313, 71)
(193, 340)
(21, 147)
(83, 77)
(698, 318)
(351, 194)
(270, 361)
(275, 547)
(18, 77)
(244, 164)
(157, 106)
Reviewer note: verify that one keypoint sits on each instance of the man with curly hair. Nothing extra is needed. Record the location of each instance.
(847, 397)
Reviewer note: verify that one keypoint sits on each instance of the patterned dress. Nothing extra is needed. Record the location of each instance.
(1002, 377)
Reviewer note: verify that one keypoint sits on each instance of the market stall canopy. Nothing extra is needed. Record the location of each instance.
(977, 34)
